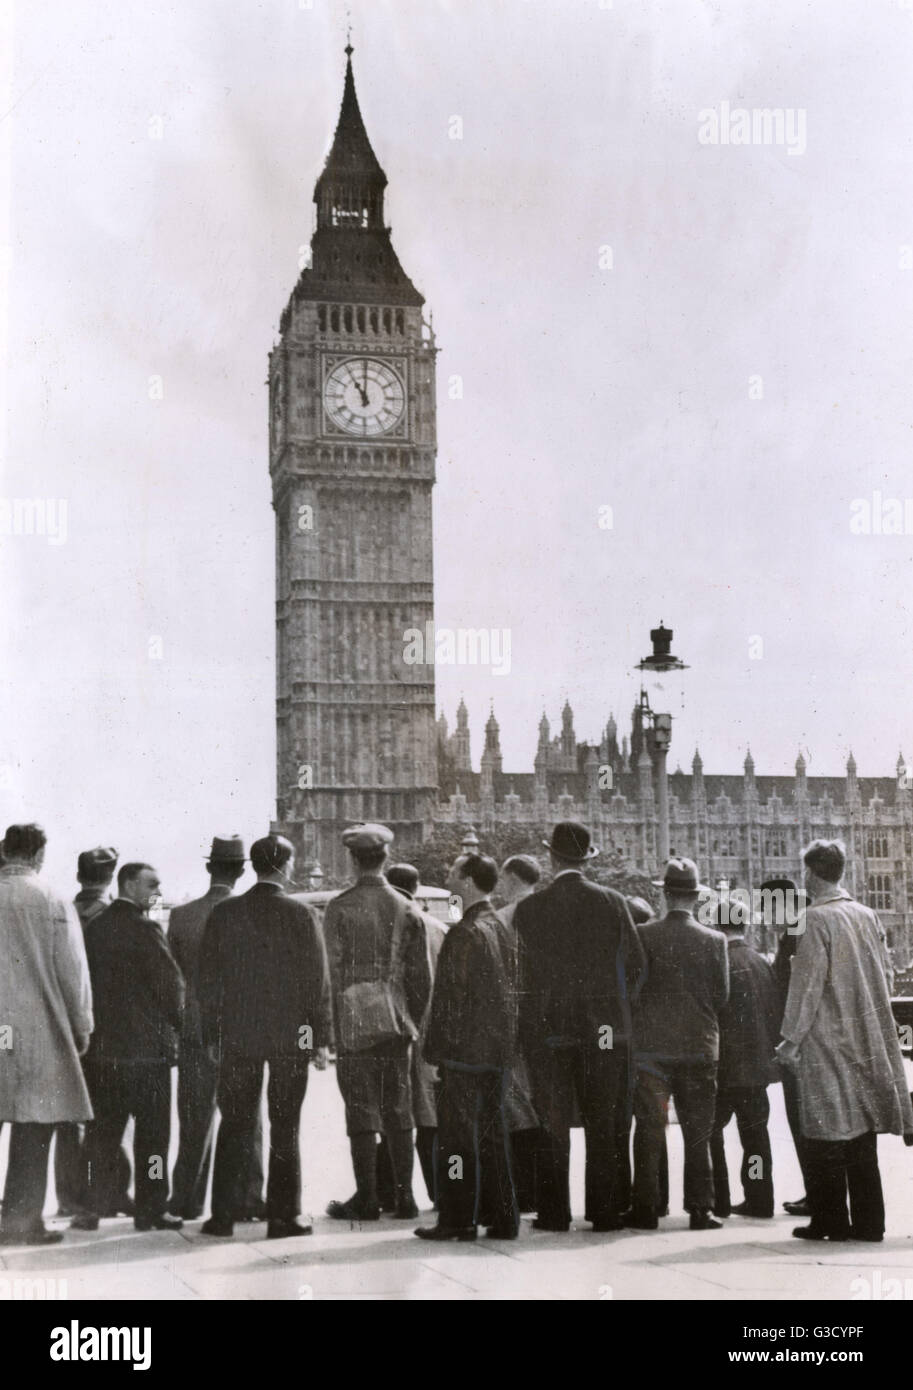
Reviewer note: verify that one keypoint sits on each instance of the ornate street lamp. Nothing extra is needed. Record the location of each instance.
(660, 660)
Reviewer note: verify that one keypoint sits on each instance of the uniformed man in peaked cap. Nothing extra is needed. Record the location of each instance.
(381, 979)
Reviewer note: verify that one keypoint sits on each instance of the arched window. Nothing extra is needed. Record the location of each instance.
(881, 893)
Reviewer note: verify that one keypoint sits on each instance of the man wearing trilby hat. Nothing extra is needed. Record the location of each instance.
(579, 963)
(198, 1066)
(678, 1046)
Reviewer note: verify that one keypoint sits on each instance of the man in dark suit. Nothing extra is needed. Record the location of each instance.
(424, 1077)
(264, 992)
(138, 993)
(749, 1033)
(198, 1066)
(471, 1035)
(676, 1025)
(579, 965)
(95, 870)
(381, 973)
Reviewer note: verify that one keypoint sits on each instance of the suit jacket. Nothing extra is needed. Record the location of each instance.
(136, 985)
(472, 1019)
(518, 1105)
(686, 987)
(358, 925)
(45, 1001)
(424, 1075)
(749, 1021)
(185, 937)
(580, 963)
(263, 976)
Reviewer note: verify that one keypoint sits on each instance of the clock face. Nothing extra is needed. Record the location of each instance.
(364, 396)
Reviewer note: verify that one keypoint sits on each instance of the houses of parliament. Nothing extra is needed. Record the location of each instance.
(352, 450)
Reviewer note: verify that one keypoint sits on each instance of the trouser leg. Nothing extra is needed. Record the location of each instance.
(552, 1081)
(601, 1083)
(694, 1091)
(791, 1103)
(68, 1167)
(26, 1177)
(150, 1102)
(252, 1190)
(722, 1201)
(198, 1079)
(240, 1084)
(457, 1168)
(827, 1186)
(752, 1111)
(524, 1146)
(651, 1099)
(497, 1180)
(288, 1079)
(109, 1092)
(424, 1147)
(864, 1183)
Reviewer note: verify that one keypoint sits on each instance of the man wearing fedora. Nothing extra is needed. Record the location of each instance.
(264, 993)
(579, 964)
(677, 1029)
(198, 1065)
(381, 974)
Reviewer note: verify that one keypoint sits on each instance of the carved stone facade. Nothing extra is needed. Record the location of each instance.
(743, 829)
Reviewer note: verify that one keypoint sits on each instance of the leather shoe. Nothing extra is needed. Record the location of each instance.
(352, 1210)
(703, 1221)
(86, 1222)
(798, 1208)
(39, 1235)
(873, 1240)
(743, 1209)
(611, 1223)
(165, 1222)
(281, 1230)
(217, 1228)
(446, 1232)
(406, 1211)
(814, 1232)
(539, 1225)
(501, 1233)
(640, 1220)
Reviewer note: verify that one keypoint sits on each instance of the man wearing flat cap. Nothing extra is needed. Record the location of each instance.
(677, 1028)
(381, 974)
(579, 964)
(94, 872)
(198, 1065)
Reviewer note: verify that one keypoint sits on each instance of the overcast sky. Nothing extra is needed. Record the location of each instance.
(635, 387)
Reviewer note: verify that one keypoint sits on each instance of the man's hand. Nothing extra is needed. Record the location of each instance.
(908, 1140)
(788, 1054)
(320, 1059)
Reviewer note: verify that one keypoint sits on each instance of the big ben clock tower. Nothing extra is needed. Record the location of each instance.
(352, 450)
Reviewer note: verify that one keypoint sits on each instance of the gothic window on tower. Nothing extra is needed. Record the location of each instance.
(881, 895)
(876, 845)
(322, 317)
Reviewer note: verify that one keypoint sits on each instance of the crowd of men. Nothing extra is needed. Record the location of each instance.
(479, 1046)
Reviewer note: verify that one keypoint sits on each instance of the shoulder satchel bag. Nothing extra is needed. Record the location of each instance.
(368, 1012)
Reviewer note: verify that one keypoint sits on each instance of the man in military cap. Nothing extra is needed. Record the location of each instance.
(94, 872)
(381, 974)
(198, 1065)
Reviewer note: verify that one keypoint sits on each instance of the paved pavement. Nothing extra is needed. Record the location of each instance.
(748, 1259)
